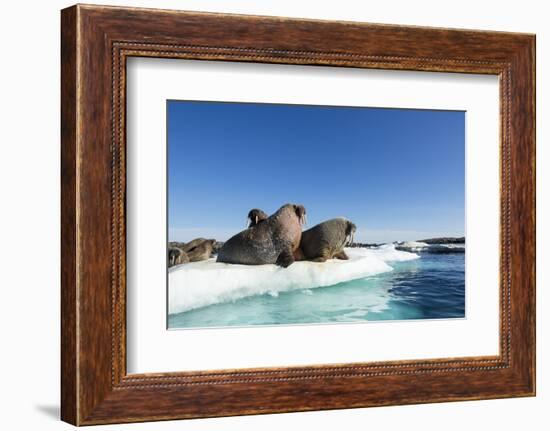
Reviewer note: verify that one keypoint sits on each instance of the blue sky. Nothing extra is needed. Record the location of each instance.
(398, 174)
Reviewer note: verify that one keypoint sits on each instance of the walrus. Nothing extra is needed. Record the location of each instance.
(201, 251)
(177, 256)
(326, 240)
(255, 216)
(192, 244)
(272, 240)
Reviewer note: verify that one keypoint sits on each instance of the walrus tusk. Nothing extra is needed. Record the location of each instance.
(256, 220)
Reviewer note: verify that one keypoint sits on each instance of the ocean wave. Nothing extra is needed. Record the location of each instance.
(200, 284)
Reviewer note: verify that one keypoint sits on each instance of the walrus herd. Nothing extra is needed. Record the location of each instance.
(276, 239)
(193, 251)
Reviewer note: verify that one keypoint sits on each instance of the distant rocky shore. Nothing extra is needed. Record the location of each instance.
(445, 240)
(445, 245)
(430, 245)
(364, 245)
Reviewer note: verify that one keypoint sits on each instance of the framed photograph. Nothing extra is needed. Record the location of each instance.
(265, 215)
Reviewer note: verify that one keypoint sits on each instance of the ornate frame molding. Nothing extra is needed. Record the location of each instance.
(96, 41)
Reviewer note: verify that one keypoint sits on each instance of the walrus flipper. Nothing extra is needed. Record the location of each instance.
(285, 259)
(322, 255)
(341, 255)
(320, 259)
(298, 255)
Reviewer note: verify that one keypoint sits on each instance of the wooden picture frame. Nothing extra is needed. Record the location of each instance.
(95, 43)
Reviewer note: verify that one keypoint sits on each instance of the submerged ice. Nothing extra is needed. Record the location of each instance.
(200, 284)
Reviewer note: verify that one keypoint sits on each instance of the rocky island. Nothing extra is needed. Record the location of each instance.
(434, 245)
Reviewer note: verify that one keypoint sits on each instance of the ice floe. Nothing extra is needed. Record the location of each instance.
(199, 284)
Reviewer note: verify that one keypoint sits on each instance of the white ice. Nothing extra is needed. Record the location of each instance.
(386, 253)
(413, 245)
(199, 284)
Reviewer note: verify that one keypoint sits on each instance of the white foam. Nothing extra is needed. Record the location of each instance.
(199, 284)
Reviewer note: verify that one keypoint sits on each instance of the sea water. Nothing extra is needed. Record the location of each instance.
(396, 285)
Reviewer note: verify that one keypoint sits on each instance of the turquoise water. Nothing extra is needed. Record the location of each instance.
(431, 287)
